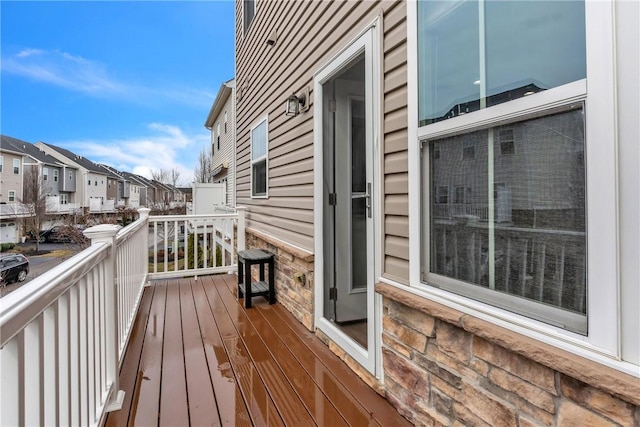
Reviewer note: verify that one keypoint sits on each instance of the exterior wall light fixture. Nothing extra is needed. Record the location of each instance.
(297, 104)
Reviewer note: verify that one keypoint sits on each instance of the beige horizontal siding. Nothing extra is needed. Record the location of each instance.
(397, 247)
(396, 223)
(396, 162)
(396, 204)
(395, 183)
(266, 75)
(396, 269)
(395, 141)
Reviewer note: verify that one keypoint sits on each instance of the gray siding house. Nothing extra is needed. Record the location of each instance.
(92, 178)
(447, 201)
(53, 173)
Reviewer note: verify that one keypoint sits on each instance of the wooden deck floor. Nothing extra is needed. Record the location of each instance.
(197, 357)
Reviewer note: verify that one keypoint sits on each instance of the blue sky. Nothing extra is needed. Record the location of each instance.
(124, 83)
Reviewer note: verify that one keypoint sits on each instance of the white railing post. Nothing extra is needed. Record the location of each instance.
(107, 233)
(144, 214)
(240, 240)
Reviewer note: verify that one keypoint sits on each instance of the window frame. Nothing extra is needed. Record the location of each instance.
(11, 195)
(1, 163)
(56, 174)
(265, 157)
(601, 342)
(45, 174)
(16, 166)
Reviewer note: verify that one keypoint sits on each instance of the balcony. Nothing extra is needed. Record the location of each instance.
(169, 343)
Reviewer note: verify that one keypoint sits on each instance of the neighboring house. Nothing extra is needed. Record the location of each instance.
(449, 207)
(11, 171)
(137, 190)
(57, 180)
(149, 196)
(11, 190)
(117, 186)
(176, 196)
(92, 188)
(221, 123)
(187, 193)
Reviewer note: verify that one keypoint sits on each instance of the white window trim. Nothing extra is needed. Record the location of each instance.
(264, 119)
(603, 343)
(11, 195)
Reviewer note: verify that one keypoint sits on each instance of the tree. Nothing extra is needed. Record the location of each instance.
(160, 175)
(35, 201)
(204, 168)
(174, 176)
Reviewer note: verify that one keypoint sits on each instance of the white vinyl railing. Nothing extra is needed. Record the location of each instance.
(64, 334)
(59, 358)
(190, 245)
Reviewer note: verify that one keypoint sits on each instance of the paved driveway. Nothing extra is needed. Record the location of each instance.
(54, 254)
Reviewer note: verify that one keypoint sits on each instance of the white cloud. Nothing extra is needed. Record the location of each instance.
(29, 52)
(92, 78)
(63, 69)
(165, 147)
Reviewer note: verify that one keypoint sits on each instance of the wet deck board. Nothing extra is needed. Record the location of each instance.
(198, 357)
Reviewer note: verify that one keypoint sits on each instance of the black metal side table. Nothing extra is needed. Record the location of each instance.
(249, 289)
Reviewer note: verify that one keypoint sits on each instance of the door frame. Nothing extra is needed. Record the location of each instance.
(367, 40)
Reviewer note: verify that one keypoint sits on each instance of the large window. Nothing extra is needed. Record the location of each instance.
(503, 165)
(259, 158)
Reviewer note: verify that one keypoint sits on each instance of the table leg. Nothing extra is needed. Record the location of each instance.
(247, 286)
(272, 283)
(240, 274)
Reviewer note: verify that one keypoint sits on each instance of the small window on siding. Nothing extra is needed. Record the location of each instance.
(218, 140)
(55, 175)
(16, 166)
(249, 9)
(12, 196)
(45, 174)
(259, 158)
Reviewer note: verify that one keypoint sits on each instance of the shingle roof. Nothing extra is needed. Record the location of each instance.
(84, 162)
(30, 150)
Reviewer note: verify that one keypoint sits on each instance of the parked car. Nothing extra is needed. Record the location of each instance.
(13, 267)
(62, 234)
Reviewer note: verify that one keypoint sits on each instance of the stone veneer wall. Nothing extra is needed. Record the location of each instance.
(292, 290)
(445, 368)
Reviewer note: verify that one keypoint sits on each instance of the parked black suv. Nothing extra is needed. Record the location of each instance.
(62, 234)
(13, 267)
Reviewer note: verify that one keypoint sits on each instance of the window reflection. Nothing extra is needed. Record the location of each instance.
(475, 54)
